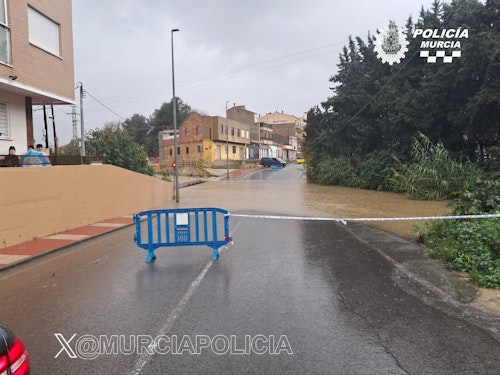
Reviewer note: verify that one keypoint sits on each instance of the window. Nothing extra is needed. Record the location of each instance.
(187, 150)
(3, 13)
(43, 32)
(4, 35)
(198, 130)
(4, 121)
(232, 132)
(198, 149)
(186, 132)
(234, 149)
(221, 129)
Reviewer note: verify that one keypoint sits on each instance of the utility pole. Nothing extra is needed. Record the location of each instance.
(74, 122)
(45, 127)
(174, 102)
(82, 124)
(54, 129)
(227, 145)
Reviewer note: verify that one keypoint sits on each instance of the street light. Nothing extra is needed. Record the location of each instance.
(176, 172)
(227, 145)
(82, 124)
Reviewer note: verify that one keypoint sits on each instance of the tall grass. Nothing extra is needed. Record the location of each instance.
(433, 173)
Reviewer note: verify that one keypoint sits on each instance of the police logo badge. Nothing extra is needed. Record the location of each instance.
(391, 45)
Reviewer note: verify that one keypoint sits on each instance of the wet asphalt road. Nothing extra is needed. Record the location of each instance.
(289, 297)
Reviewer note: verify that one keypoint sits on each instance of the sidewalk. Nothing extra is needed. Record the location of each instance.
(217, 174)
(20, 253)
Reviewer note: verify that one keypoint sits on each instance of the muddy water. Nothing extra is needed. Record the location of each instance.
(357, 203)
(290, 194)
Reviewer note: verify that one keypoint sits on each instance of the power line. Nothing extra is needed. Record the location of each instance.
(104, 105)
(217, 77)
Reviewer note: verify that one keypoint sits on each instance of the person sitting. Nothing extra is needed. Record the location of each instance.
(32, 152)
(39, 148)
(11, 160)
(34, 158)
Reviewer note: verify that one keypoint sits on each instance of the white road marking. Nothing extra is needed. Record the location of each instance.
(145, 357)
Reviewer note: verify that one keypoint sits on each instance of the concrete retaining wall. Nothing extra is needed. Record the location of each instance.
(37, 202)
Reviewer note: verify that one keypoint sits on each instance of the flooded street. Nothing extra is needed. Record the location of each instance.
(289, 296)
(295, 196)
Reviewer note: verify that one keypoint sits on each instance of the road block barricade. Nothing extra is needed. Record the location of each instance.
(182, 227)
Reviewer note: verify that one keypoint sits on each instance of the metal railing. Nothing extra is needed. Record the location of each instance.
(64, 160)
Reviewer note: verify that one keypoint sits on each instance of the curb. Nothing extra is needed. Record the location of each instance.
(47, 245)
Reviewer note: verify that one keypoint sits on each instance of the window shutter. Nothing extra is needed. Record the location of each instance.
(4, 123)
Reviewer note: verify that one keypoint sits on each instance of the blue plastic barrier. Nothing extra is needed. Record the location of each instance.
(182, 227)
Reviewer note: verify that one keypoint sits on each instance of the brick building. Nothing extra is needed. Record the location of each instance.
(209, 140)
(241, 114)
(285, 134)
(204, 139)
(36, 64)
(289, 127)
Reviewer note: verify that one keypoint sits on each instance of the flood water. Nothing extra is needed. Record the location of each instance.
(287, 192)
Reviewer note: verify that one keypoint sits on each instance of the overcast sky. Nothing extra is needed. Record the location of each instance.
(269, 55)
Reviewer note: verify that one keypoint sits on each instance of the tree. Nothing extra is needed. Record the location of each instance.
(118, 148)
(377, 108)
(137, 127)
(145, 131)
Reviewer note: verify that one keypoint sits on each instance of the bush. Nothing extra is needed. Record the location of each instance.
(374, 172)
(471, 246)
(119, 149)
(331, 171)
(433, 174)
(484, 197)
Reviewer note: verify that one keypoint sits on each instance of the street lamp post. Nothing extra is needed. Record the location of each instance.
(227, 145)
(174, 110)
(82, 124)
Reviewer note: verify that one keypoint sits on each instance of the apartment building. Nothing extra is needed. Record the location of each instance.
(286, 126)
(241, 114)
(36, 64)
(214, 140)
(210, 140)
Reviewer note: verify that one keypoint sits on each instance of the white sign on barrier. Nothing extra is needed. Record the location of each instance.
(182, 218)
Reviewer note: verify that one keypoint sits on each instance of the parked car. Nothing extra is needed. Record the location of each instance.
(269, 162)
(283, 162)
(300, 159)
(14, 359)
